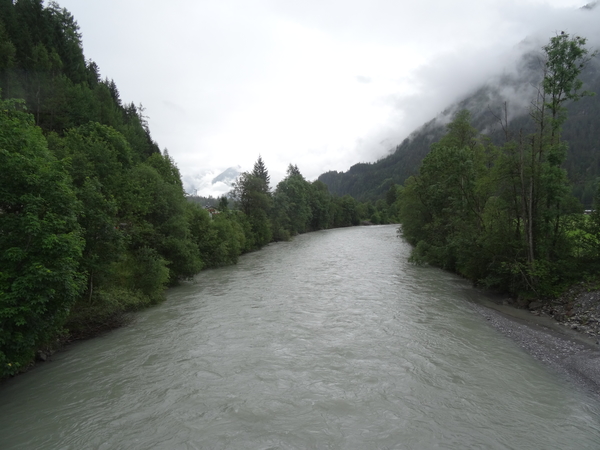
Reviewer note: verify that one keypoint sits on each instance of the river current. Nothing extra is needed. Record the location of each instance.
(332, 340)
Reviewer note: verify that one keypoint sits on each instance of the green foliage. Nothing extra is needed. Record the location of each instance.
(445, 203)
(566, 56)
(296, 206)
(149, 272)
(69, 195)
(220, 238)
(108, 310)
(254, 199)
(260, 171)
(156, 217)
(291, 199)
(504, 217)
(345, 212)
(94, 221)
(320, 206)
(39, 237)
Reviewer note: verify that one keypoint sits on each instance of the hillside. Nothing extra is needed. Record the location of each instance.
(370, 181)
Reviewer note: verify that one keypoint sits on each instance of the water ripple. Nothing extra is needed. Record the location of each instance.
(330, 341)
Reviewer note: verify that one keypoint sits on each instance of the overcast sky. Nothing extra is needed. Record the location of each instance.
(323, 84)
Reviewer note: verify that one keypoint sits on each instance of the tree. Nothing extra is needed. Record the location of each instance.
(292, 202)
(565, 58)
(223, 204)
(248, 191)
(443, 206)
(543, 182)
(254, 200)
(40, 240)
(220, 239)
(320, 206)
(156, 208)
(260, 171)
(345, 212)
(293, 170)
(7, 60)
(501, 216)
(101, 162)
(65, 38)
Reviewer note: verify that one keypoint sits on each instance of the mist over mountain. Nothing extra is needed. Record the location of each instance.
(514, 88)
(211, 183)
(228, 176)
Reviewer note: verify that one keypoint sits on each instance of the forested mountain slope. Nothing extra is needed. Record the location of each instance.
(504, 215)
(369, 181)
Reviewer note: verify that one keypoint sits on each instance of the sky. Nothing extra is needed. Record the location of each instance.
(322, 84)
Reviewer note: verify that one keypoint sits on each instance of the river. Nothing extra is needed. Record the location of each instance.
(332, 340)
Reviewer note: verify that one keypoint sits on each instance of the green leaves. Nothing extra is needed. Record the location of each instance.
(255, 201)
(504, 217)
(292, 199)
(443, 206)
(566, 56)
(39, 237)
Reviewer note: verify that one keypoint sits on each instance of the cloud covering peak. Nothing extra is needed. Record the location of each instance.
(320, 84)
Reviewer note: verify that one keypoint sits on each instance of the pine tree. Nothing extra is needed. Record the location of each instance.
(260, 171)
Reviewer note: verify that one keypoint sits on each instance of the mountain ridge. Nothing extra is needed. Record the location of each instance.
(371, 180)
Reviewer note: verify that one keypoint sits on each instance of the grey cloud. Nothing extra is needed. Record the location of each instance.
(216, 61)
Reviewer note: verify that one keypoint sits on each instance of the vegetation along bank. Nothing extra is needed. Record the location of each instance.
(94, 220)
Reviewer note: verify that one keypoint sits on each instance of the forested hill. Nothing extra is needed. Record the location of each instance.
(370, 181)
(94, 221)
(93, 218)
(42, 62)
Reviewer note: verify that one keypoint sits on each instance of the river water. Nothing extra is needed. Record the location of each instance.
(330, 341)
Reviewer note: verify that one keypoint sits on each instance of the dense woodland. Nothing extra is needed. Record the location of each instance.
(505, 215)
(94, 221)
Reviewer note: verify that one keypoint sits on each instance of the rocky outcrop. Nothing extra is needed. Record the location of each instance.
(578, 308)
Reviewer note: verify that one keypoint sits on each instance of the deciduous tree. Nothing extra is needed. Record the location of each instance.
(40, 240)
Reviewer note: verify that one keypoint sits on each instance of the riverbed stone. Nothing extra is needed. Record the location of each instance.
(535, 305)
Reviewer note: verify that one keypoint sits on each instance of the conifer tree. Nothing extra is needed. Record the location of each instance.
(260, 171)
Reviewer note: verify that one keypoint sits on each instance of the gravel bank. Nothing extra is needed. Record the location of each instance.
(563, 333)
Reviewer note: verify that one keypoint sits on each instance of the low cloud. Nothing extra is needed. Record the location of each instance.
(226, 81)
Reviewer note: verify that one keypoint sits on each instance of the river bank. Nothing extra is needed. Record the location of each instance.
(563, 333)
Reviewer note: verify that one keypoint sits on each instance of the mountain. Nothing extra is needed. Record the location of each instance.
(228, 176)
(211, 183)
(370, 181)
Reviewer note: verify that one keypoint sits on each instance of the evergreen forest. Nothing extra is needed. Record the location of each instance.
(94, 220)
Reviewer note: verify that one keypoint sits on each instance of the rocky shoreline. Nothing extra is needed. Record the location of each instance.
(577, 309)
(563, 333)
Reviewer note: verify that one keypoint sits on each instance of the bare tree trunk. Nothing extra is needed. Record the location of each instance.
(91, 288)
